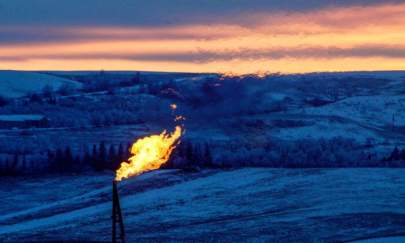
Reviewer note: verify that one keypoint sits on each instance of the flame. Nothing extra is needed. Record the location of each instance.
(173, 106)
(179, 118)
(149, 153)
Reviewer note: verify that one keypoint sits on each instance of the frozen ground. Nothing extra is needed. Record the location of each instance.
(367, 110)
(375, 110)
(18, 83)
(228, 206)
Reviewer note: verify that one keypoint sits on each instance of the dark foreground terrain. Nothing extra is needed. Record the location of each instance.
(246, 204)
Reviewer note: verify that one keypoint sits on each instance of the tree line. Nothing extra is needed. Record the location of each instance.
(195, 155)
(103, 157)
(397, 157)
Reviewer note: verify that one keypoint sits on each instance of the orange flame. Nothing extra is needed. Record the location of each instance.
(149, 153)
(179, 118)
(173, 106)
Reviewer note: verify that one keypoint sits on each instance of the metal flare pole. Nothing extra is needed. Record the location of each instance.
(116, 215)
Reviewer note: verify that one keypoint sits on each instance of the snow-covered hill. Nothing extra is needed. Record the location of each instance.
(379, 110)
(276, 205)
(19, 83)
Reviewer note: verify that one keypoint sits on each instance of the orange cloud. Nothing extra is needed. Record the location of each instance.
(332, 39)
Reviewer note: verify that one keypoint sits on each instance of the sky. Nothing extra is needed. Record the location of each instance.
(227, 36)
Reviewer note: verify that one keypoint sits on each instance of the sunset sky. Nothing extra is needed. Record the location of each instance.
(240, 36)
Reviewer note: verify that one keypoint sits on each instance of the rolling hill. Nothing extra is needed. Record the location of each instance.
(14, 84)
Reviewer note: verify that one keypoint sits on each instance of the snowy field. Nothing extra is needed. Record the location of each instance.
(17, 83)
(365, 111)
(373, 110)
(331, 205)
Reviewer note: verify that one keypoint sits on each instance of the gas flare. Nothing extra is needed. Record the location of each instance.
(173, 106)
(149, 153)
(179, 118)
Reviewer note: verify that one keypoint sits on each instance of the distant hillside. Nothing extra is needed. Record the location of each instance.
(15, 84)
